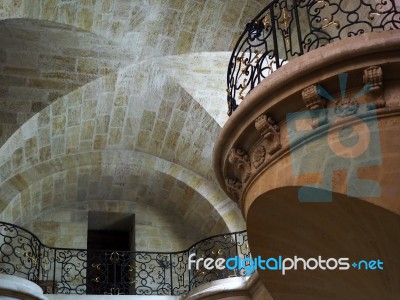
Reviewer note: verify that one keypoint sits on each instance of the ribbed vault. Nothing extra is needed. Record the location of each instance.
(117, 112)
(42, 61)
(102, 142)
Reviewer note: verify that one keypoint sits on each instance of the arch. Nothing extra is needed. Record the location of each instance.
(118, 130)
(158, 27)
(42, 61)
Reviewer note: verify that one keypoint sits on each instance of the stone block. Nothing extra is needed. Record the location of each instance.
(17, 158)
(230, 17)
(104, 105)
(165, 110)
(44, 117)
(25, 197)
(60, 75)
(23, 72)
(72, 137)
(143, 139)
(57, 63)
(102, 124)
(89, 109)
(8, 118)
(37, 106)
(67, 13)
(155, 147)
(114, 136)
(57, 145)
(3, 57)
(178, 120)
(100, 142)
(121, 101)
(85, 18)
(58, 125)
(184, 43)
(44, 136)
(172, 139)
(87, 65)
(105, 5)
(17, 105)
(87, 130)
(45, 153)
(147, 120)
(74, 98)
(58, 108)
(171, 27)
(49, 10)
(118, 117)
(74, 116)
(192, 15)
(30, 147)
(47, 199)
(47, 84)
(8, 80)
(160, 130)
(183, 103)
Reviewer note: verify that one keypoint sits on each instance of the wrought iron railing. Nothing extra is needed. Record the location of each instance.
(78, 271)
(286, 29)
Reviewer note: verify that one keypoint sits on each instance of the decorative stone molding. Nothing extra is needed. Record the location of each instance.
(342, 86)
(374, 76)
(243, 288)
(311, 98)
(234, 186)
(241, 160)
(268, 128)
(315, 104)
(259, 155)
(13, 287)
(346, 107)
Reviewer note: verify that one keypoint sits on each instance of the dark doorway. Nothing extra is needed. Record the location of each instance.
(110, 240)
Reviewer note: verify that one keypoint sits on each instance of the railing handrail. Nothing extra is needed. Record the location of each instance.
(69, 270)
(282, 21)
(150, 252)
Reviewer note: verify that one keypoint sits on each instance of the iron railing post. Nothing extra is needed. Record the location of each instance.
(298, 27)
(275, 38)
(188, 253)
(54, 271)
(39, 261)
(170, 267)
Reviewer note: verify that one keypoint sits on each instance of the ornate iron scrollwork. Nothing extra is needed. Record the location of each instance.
(285, 29)
(68, 271)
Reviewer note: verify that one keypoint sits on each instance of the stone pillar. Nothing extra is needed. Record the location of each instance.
(12, 287)
(313, 155)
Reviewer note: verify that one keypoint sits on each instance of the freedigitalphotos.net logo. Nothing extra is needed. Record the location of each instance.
(349, 147)
(249, 265)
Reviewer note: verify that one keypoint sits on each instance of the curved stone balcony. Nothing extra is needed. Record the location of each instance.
(311, 157)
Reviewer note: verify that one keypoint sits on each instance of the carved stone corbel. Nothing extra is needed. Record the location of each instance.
(374, 76)
(268, 128)
(316, 105)
(259, 156)
(241, 160)
(234, 186)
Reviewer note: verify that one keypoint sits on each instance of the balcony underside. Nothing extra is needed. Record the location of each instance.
(322, 121)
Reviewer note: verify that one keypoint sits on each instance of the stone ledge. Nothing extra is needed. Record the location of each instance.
(19, 288)
(281, 93)
(240, 288)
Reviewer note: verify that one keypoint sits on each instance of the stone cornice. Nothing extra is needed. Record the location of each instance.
(280, 93)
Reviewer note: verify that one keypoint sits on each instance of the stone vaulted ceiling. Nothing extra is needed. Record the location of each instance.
(115, 105)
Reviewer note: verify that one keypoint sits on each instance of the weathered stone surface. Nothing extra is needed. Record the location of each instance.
(93, 130)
